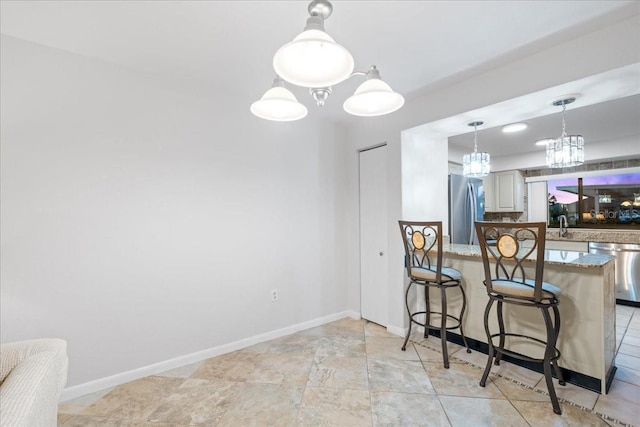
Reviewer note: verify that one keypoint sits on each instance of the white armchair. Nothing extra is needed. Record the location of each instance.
(32, 376)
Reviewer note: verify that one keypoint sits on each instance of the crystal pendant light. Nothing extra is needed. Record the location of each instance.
(567, 150)
(278, 104)
(476, 165)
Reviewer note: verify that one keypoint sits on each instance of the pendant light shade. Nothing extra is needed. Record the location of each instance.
(313, 59)
(279, 104)
(476, 165)
(373, 97)
(567, 150)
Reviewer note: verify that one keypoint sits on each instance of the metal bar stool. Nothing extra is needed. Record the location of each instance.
(424, 268)
(513, 258)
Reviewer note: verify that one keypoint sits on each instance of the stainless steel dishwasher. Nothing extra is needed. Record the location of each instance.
(627, 265)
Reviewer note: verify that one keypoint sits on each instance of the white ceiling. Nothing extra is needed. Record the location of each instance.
(228, 45)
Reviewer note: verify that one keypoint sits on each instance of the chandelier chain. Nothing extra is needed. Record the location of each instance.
(475, 137)
(564, 131)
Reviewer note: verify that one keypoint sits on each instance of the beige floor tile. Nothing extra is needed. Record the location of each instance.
(394, 375)
(257, 367)
(619, 403)
(518, 373)
(571, 393)
(514, 391)
(628, 361)
(181, 372)
(295, 343)
(434, 343)
(374, 330)
(540, 414)
(427, 354)
(460, 380)
(339, 372)
(75, 406)
(236, 366)
(263, 405)
(391, 348)
(250, 387)
(407, 409)
(196, 402)
(475, 358)
(133, 401)
(628, 375)
(473, 412)
(341, 346)
(344, 327)
(94, 421)
(334, 407)
(63, 417)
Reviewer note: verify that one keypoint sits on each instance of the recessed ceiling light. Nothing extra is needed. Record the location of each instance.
(514, 127)
(544, 141)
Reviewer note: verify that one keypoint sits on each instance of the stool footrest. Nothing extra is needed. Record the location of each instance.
(509, 353)
(449, 316)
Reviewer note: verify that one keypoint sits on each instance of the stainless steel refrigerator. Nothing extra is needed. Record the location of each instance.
(466, 205)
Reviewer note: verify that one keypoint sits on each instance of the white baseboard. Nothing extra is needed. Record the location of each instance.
(134, 374)
(397, 331)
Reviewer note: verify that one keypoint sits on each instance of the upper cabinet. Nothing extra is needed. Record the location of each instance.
(504, 192)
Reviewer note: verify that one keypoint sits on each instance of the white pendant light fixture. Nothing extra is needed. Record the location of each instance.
(314, 60)
(373, 97)
(278, 104)
(476, 165)
(566, 150)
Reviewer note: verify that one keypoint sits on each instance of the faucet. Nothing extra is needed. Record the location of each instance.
(563, 230)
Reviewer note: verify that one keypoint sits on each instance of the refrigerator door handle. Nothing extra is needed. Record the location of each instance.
(472, 218)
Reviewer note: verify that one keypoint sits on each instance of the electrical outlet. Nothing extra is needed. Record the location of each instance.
(274, 295)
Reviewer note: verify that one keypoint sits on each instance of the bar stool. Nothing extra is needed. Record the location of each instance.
(424, 268)
(513, 258)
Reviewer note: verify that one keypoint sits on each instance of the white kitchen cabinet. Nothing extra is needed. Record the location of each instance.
(507, 192)
(489, 194)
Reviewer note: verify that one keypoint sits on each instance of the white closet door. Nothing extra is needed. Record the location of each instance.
(373, 235)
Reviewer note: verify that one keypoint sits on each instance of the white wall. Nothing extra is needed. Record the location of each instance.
(603, 49)
(142, 223)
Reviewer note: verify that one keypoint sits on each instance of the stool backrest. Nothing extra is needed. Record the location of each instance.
(507, 248)
(420, 239)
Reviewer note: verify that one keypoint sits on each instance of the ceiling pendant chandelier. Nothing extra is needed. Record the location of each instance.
(476, 165)
(314, 60)
(566, 150)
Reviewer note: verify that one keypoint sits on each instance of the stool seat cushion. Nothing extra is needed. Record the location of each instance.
(526, 289)
(430, 273)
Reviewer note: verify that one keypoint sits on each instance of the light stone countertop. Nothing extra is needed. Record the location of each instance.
(551, 256)
(595, 235)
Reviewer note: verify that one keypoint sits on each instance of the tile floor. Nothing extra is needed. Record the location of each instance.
(352, 372)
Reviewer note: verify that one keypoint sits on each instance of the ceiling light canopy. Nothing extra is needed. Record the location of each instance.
(566, 150)
(476, 165)
(314, 60)
(514, 127)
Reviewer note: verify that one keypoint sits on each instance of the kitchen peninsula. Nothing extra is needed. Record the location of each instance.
(587, 337)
